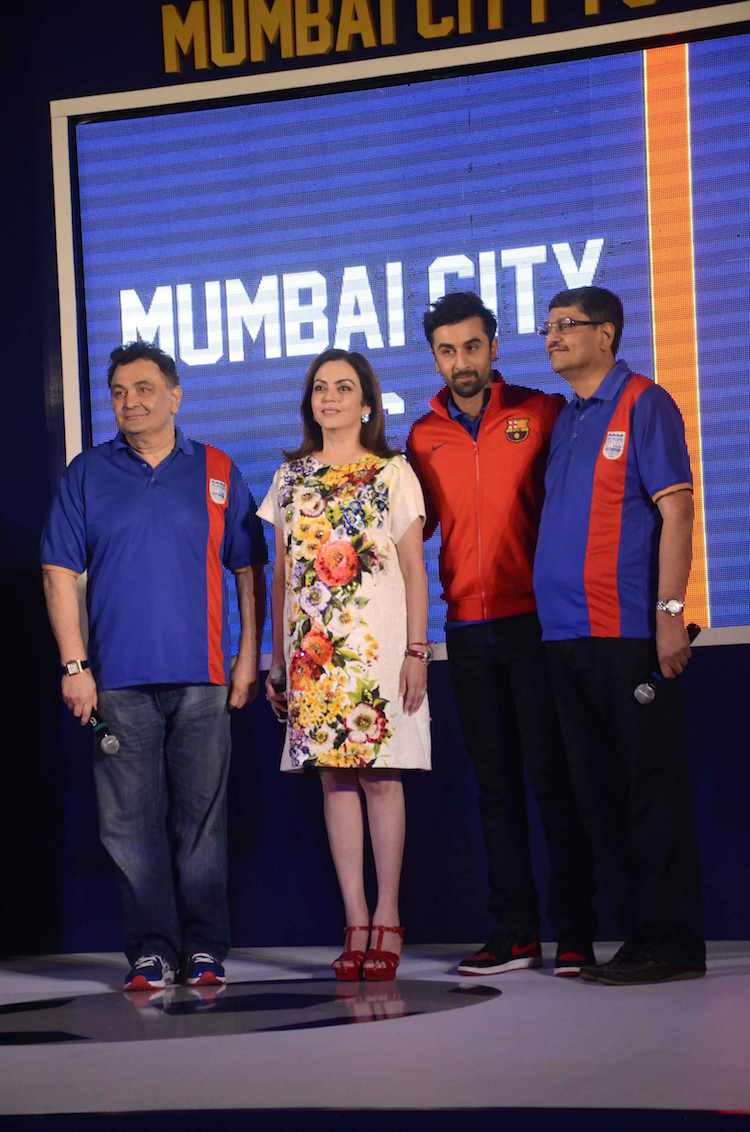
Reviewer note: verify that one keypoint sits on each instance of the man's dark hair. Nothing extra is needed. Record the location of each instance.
(455, 307)
(134, 352)
(598, 304)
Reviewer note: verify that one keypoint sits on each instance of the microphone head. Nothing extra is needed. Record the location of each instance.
(109, 744)
(645, 693)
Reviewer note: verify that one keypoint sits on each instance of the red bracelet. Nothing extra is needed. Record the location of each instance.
(425, 655)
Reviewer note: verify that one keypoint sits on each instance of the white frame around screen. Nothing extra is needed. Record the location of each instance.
(64, 110)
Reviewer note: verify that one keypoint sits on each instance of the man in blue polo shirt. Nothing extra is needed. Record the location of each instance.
(154, 518)
(610, 574)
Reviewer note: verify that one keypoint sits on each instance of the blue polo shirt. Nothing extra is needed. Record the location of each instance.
(471, 424)
(155, 542)
(611, 454)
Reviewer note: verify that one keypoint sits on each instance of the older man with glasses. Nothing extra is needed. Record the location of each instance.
(610, 575)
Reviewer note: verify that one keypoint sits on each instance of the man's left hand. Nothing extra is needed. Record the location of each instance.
(244, 686)
(672, 645)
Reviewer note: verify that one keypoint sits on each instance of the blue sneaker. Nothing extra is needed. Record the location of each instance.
(150, 972)
(203, 970)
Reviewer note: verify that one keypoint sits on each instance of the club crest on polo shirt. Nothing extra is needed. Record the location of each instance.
(614, 445)
(517, 429)
(217, 489)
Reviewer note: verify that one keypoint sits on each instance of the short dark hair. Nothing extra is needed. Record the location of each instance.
(134, 352)
(455, 307)
(372, 434)
(598, 304)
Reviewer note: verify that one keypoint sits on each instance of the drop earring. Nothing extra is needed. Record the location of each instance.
(366, 417)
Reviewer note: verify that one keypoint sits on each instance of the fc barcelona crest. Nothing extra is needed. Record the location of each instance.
(517, 429)
(614, 445)
(217, 489)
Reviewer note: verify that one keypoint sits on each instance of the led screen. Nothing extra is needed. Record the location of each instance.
(244, 239)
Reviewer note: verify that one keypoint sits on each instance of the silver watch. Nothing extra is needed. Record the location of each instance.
(673, 606)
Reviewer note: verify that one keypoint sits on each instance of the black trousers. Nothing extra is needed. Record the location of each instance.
(629, 769)
(508, 720)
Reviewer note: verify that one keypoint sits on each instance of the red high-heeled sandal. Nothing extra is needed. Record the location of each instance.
(348, 965)
(389, 959)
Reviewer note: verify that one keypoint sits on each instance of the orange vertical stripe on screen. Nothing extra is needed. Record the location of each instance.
(670, 208)
(218, 468)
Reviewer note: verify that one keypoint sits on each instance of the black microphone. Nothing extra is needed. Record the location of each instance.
(277, 679)
(109, 744)
(645, 693)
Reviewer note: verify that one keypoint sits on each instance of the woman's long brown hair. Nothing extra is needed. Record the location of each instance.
(372, 434)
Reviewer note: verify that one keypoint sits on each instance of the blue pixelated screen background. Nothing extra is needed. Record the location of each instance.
(244, 239)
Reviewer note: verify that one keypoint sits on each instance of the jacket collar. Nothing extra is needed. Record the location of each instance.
(439, 403)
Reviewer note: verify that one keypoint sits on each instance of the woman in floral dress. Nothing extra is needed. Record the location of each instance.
(349, 601)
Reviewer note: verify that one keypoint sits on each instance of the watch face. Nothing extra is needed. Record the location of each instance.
(673, 606)
(72, 667)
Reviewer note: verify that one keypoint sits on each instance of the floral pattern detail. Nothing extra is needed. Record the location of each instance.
(334, 519)
(345, 612)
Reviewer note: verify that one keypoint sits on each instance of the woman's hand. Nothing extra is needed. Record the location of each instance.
(412, 683)
(276, 697)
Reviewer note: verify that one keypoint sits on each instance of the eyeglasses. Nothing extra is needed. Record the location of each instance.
(563, 325)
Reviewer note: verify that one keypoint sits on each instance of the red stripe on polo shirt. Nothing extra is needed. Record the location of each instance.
(605, 518)
(218, 479)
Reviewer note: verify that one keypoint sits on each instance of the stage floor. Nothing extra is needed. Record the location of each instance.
(279, 1039)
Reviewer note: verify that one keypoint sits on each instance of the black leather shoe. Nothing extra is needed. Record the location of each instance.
(641, 969)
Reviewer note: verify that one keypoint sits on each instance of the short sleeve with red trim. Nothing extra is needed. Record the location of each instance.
(659, 438)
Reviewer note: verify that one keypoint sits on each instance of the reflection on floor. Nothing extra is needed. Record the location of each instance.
(239, 1008)
(284, 1038)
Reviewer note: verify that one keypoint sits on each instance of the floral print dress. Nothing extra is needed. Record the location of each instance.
(345, 612)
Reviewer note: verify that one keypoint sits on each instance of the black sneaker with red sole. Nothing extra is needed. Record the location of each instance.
(571, 960)
(495, 959)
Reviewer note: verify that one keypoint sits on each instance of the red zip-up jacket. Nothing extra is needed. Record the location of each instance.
(487, 496)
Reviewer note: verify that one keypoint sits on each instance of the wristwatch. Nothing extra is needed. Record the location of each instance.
(73, 667)
(673, 606)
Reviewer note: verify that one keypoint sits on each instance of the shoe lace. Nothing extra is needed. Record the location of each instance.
(149, 961)
(202, 957)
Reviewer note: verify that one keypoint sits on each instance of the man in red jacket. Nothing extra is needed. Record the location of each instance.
(480, 454)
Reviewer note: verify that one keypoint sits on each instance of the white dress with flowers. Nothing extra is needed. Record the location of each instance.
(345, 612)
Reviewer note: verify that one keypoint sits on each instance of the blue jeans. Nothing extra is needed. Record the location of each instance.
(162, 815)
